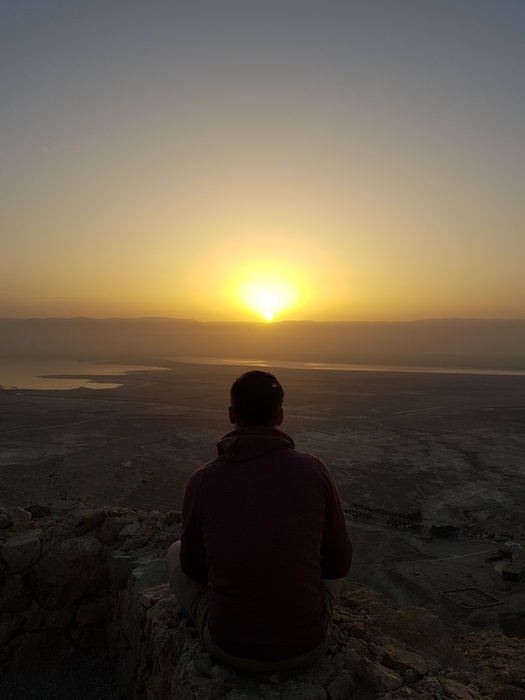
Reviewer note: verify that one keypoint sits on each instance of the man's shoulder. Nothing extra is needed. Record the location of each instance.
(291, 456)
(204, 469)
(308, 458)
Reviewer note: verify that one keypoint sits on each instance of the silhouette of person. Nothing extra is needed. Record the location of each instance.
(264, 547)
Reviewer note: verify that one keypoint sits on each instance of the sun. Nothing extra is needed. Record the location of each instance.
(267, 295)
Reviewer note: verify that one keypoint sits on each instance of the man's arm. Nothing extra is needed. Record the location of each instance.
(336, 548)
(193, 558)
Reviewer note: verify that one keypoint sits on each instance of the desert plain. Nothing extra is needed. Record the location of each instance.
(449, 448)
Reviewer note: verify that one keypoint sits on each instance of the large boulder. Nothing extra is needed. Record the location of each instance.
(83, 519)
(424, 632)
(22, 550)
(20, 519)
(15, 596)
(70, 570)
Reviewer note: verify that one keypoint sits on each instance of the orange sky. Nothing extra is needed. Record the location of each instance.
(368, 164)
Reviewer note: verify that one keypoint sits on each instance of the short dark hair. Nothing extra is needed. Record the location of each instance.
(256, 397)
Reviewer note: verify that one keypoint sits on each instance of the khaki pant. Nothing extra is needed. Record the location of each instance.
(193, 599)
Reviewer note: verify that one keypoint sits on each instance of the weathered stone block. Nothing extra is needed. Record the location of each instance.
(172, 517)
(151, 596)
(110, 529)
(304, 691)
(61, 506)
(423, 631)
(15, 595)
(402, 660)
(92, 610)
(22, 551)
(29, 646)
(380, 678)
(60, 618)
(129, 530)
(510, 692)
(89, 636)
(9, 626)
(83, 519)
(140, 538)
(71, 570)
(120, 568)
(39, 510)
(20, 519)
(342, 686)
(33, 618)
(456, 690)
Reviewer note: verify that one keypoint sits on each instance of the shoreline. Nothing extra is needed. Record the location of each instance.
(117, 377)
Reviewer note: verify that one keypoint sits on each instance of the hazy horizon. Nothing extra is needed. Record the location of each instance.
(464, 319)
(475, 343)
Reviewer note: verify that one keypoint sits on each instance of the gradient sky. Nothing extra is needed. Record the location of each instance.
(156, 155)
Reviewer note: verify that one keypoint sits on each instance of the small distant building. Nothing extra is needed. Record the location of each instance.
(445, 531)
(515, 570)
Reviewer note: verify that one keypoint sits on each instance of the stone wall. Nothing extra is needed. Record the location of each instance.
(73, 577)
(60, 566)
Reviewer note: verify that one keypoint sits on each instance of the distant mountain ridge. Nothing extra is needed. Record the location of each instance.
(474, 343)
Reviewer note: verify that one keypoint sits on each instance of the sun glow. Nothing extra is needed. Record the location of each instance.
(267, 291)
(267, 297)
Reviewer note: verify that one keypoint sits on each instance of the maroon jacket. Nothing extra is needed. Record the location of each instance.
(262, 524)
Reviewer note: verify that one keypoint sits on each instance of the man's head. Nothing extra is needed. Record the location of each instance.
(256, 400)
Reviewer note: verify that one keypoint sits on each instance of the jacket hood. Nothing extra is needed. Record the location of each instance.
(247, 443)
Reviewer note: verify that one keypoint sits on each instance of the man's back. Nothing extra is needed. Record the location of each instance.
(263, 524)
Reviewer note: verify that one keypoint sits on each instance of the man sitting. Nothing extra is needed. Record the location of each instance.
(264, 545)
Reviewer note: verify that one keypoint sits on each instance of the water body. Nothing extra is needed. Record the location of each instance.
(39, 374)
(345, 367)
(51, 374)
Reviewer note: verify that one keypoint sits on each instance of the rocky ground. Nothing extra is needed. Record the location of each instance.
(449, 447)
(76, 578)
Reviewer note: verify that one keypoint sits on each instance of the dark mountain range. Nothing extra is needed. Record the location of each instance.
(491, 344)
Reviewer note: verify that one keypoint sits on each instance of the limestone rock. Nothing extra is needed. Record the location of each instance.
(29, 645)
(5, 521)
(60, 618)
(91, 610)
(422, 631)
(20, 519)
(15, 595)
(129, 530)
(360, 647)
(22, 551)
(87, 592)
(9, 625)
(342, 686)
(88, 636)
(71, 569)
(402, 660)
(61, 506)
(83, 519)
(510, 692)
(33, 618)
(304, 691)
(139, 538)
(60, 531)
(381, 678)
(172, 517)
(120, 568)
(430, 688)
(110, 529)
(456, 690)
(354, 662)
(151, 596)
(39, 510)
